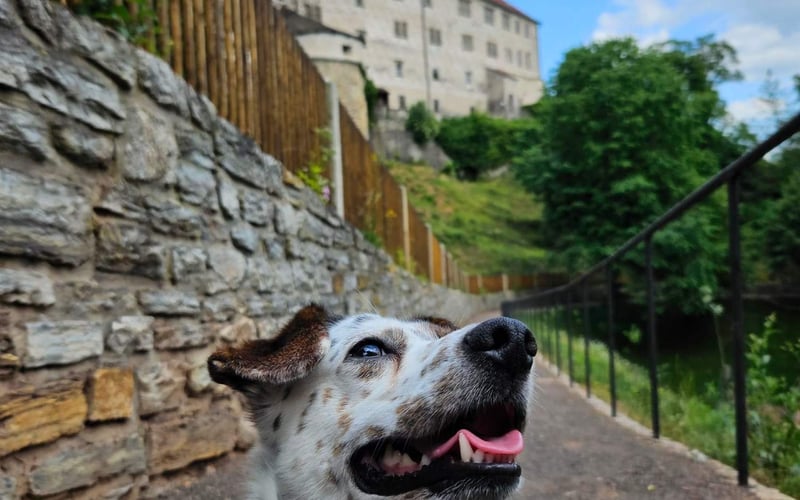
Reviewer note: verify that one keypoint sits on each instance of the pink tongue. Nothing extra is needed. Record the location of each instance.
(509, 444)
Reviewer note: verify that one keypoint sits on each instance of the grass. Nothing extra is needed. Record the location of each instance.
(489, 226)
(702, 420)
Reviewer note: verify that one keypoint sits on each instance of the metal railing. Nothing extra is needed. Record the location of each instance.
(545, 315)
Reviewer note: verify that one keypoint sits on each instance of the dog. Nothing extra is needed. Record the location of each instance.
(368, 406)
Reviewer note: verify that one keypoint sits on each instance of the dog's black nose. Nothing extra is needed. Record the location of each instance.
(503, 341)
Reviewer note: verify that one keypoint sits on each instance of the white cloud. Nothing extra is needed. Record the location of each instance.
(754, 109)
(765, 34)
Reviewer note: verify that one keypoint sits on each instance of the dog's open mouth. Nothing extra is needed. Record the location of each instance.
(480, 445)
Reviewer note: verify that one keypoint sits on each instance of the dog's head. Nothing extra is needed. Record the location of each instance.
(368, 405)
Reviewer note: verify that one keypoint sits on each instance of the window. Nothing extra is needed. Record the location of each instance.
(435, 36)
(516, 26)
(427, 3)
(528, 61)
(509, 55)
(362, 34)
(464, 8)
(491, 49)
(519, 58)
(313, 12)
(488, 15)
(511, 102)
(401, 102)
(346, 49)
(359, 3)
(436, 105)
(527, 31)
(435, 74)
(468, 77)
(466, 42)
(506, 21)
(401, 29)
(398, 69)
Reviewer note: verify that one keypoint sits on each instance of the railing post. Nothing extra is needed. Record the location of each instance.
(737, 327)
(337, 175)
(568, 327)
(651, 334)
(445, 263)
(406, 228)
(557, 332)
(612, 374)
(587, 331)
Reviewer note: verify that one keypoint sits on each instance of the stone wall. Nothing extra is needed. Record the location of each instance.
(391, 141)
(137, 232)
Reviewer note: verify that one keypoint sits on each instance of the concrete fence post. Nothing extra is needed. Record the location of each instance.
(505, 283)
(480, 283)
(445, 264)
(431, 277)
(337, 174)
(406, 228)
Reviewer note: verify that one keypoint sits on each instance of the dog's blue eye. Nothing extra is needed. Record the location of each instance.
(367, 349)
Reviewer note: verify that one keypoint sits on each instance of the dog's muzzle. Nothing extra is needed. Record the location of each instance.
(502, 344)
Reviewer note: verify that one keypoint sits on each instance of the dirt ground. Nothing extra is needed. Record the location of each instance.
(572, 451)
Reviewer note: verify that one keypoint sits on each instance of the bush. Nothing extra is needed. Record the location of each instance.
(421, 123)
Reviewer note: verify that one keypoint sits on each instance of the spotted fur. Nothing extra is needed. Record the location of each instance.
(314, 406)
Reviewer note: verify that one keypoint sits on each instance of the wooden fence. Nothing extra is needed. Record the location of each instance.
(241, 55)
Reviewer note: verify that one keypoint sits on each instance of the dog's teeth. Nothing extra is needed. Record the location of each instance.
(407, 461)
(389, 456)
(426, 460)
(478, 457)
(466, 449)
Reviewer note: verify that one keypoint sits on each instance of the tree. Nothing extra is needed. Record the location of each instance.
(626, 133)
(421, 123)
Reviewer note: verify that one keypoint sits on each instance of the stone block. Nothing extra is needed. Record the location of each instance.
(180, 334)
(245, 238)
(148, 149)
(35, 415)
(287, 219)
(158, 80)
(159, 385)
(256, 208)
(62, 342)
(19, 286)
(38, 15)
(126, 248)
(229, 199)
(8, 484)
(270, 276)
(177, 442)
(131, 333)
(228, 267)
(196, 147)
(169, 303)
(201, 109)
(197, 185)
(222, 307)
(240, 157)
(110, 394)
(44, 219)
(23, 132)
(85, 147)
(169, 217)
(240, 330)
(82, 463)
(313, 229)
(188, 261)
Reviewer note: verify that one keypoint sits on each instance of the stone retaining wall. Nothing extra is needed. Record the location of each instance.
(137, 232)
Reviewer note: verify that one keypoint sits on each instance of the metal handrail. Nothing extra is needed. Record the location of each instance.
(546, 301)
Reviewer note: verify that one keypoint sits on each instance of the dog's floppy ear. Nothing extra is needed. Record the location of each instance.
(290, 356)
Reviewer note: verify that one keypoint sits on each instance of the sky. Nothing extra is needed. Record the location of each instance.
(765, 33)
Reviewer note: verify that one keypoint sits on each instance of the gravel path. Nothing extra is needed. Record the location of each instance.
(572, 451)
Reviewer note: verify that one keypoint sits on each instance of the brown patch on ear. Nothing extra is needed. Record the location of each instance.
(290, 356)
(441, 326)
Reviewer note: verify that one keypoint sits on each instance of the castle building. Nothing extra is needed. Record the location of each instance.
(454, 55)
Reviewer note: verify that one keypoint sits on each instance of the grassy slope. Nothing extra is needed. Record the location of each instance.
(489, 225)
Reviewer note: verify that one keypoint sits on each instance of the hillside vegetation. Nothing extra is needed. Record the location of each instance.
(490, 226)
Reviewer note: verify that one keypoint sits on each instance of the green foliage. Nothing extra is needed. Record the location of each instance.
(625, 133)
(135, 22)
(314, 175)
(370, 95)
(478, 143)
(421, 123)
(490, 226)
(774, 412)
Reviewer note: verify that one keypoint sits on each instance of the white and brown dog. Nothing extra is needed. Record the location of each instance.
(368, 406)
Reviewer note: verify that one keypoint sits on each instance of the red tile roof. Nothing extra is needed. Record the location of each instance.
(510, 8)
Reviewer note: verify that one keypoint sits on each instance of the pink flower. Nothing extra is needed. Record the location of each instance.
(326, 193)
